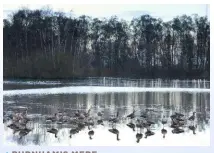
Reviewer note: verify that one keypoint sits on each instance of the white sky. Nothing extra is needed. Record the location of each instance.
(125, 11)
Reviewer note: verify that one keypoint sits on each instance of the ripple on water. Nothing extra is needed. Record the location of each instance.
(9, 102)
(34, 115)
(19, 107)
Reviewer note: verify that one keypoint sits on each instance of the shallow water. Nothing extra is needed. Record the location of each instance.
(165, 98)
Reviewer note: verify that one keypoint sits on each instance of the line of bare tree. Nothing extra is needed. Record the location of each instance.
(47, 44)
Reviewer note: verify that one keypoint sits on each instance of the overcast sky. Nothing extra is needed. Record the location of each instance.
(127, 12)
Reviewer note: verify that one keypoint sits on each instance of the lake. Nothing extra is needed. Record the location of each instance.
(158, 98)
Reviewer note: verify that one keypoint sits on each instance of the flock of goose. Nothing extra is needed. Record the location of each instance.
(79, 120)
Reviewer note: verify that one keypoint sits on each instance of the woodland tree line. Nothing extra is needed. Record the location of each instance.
(47, 44)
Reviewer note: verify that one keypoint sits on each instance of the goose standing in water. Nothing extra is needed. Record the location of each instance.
(53, 131)
(90, 133)
(115, 131)
(193, 128)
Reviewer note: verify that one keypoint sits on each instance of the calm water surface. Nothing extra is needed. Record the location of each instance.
(161, 104)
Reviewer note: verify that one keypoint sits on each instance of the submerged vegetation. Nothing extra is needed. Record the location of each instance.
(47, 44)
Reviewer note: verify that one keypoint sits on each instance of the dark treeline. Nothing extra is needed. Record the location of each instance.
(47, 44)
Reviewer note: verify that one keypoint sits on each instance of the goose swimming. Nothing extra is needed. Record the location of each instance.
(90, 133)
(73, 131)
(131, 125)
(148, 133)
(132, 115)
(115, 131)
(53, 131)
(139, 137)
(177, 131)
(100, 114)
(100, 122)
(192, 118)
(179, 115)
(164, 132)
(52, 118)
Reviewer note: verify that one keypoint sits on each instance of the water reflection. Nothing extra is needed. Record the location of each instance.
(116, 119)
(106, 81)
